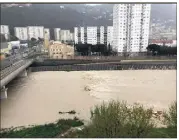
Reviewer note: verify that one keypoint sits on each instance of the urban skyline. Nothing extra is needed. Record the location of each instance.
(130, 31)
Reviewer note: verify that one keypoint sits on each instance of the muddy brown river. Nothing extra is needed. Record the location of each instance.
(38, 98)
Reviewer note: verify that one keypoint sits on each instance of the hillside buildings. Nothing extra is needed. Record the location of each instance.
(93, 35)
(110, 35)
(57, 34)
(21, 33)
(72, 36)
(5, 31)
(131, 27)
(65, 35)
(35, 32)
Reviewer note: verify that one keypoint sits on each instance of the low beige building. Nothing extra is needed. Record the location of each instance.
(57, 50)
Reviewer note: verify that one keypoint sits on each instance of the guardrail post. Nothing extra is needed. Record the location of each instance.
(3, 93)
(23, 74)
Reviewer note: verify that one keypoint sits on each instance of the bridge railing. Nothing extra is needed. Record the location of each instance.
(17, 64)
(12, 68)
(115, 58)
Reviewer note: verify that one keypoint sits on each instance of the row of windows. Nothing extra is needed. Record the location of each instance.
(55, 49)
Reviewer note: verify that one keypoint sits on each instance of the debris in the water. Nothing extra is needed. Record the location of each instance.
(87, 88)
(69, 112)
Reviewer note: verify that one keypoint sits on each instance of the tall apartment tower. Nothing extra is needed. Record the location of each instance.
(57, 34)
(5, 30)
(35, 32)
(21, 33)
(131, 27)
(93, 35)
(65, 35)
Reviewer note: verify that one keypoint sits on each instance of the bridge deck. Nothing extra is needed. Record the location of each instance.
(11, 72)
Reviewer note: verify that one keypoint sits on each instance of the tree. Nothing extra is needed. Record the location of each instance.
(154, 48)
(33, 39)
(40, 39)
(3, 39)
(13, 38)
(33, 42)
(109, 49)
(162, 50)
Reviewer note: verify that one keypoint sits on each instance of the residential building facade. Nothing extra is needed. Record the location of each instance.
(65, 35)
(110, 35)
(21, 33)
(131, 27)
(35, 32)
(58, 50)
(93, 35)
(72, 36)
(57, 34)
(5, 31)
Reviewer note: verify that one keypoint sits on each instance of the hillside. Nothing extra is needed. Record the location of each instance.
(66, 16)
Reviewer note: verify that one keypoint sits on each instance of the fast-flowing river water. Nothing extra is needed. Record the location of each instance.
(38, 98)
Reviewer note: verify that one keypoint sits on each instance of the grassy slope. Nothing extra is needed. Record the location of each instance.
(154, 133)
(43, 131)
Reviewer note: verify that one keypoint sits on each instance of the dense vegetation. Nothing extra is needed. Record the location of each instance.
(161, 50)
(112, 120)
(101, 49)
(104, 50)
(42, 131)
(119, 120)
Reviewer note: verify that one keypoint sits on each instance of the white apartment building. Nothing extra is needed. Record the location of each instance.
(93, 35)
(21, 33)
(72, 36)
(131, 27)
(65, 35)
(76, 35)
(101, 34)
(82, 31)
(5, 31)
(35, 32)
(109, 35)
(47, 32)
(57, 34)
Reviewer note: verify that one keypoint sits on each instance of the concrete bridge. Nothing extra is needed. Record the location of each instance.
(11, 72)
(17, 68)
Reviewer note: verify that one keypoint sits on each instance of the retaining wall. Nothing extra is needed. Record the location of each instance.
(112, 66)
(57, 62)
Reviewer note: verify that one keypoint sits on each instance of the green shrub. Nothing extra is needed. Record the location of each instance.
(118, 120)
(170, 117)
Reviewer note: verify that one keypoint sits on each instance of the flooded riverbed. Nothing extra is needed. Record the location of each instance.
(38, 98)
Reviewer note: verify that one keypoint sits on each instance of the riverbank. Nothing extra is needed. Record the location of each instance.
(129, 124)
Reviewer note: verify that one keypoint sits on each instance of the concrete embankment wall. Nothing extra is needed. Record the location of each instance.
(57, 62)
(107, 66)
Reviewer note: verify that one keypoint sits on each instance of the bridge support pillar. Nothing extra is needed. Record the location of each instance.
(4, 93)
(23, 74)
